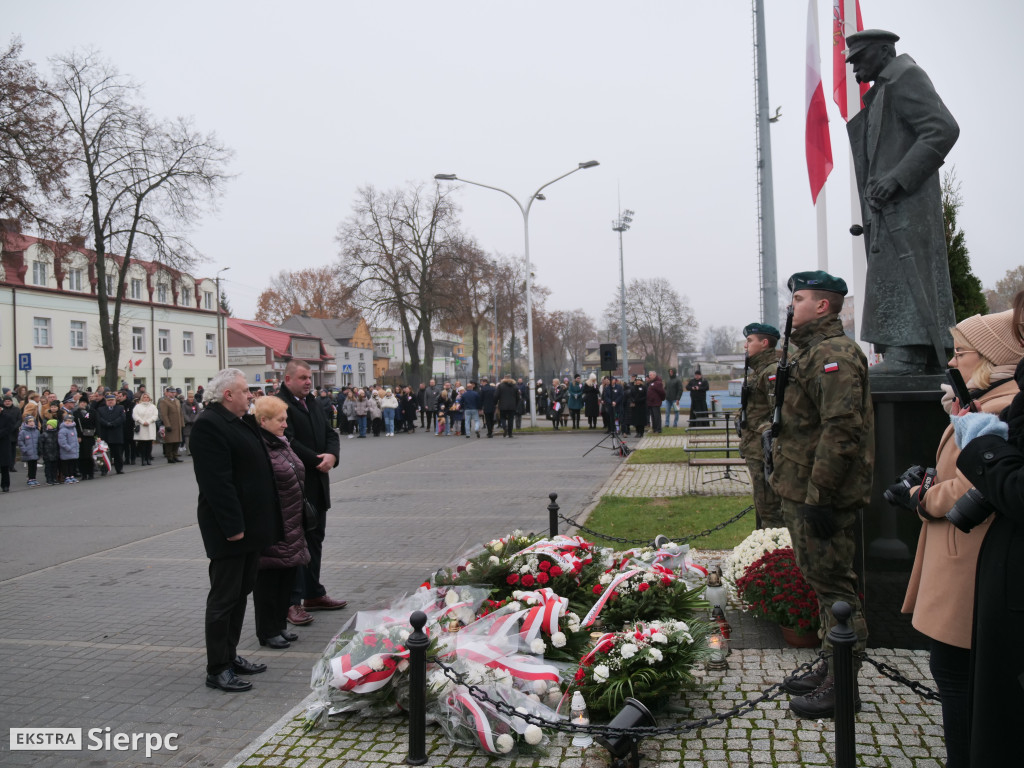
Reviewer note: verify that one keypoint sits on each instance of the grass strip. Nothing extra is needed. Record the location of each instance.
(670, 455)
(675, 516)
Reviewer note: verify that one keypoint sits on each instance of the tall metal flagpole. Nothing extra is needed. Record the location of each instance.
(620, 225)
(769, 270)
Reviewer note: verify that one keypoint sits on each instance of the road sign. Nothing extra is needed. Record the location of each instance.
(346, 368)
(25, 361)
(168, 363)
(257, 377)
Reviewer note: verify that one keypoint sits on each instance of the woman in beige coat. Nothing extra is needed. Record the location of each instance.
(941, 589)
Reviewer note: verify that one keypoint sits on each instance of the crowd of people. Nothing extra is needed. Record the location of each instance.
(90, 430)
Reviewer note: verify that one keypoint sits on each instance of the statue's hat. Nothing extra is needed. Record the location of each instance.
(858, 41)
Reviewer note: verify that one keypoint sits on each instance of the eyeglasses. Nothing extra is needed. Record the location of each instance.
(958, 353)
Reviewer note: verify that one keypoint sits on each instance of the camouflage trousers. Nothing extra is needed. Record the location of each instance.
(827, 564)
(766, 502)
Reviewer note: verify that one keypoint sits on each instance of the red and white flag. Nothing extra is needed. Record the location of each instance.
(819, 146)
(839, 56)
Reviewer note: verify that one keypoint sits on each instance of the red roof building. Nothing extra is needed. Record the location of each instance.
(262, 351)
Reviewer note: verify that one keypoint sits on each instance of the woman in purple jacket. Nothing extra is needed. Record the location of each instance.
(278, 563)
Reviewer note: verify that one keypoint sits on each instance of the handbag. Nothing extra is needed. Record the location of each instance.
(309, 515)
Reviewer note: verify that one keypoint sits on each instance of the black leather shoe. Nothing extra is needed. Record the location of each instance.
(807, 683)
(243, 667)
(291, 637)
(276, 642)
(227, 681)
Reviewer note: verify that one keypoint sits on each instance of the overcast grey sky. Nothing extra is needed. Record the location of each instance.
(320, 98)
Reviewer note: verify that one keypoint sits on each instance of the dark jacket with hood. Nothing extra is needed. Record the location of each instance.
(289, 475)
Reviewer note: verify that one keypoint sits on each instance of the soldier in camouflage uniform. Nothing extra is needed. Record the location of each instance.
(824, 457)
(762, 362)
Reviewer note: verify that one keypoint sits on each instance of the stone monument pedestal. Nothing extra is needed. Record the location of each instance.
(909, 422)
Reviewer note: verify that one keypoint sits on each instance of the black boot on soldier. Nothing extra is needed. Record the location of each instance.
(806, 682)
(821, 702)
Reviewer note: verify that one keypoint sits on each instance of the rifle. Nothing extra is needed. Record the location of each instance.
(741, 417)
(781, 380)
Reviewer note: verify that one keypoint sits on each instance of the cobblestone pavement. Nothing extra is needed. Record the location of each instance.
(895, 728)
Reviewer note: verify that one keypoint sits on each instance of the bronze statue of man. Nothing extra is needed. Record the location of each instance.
(899, 141)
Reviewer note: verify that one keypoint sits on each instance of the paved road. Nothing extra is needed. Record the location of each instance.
(102, 585)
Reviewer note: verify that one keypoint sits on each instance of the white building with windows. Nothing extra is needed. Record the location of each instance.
(49, 311)
(391, 343)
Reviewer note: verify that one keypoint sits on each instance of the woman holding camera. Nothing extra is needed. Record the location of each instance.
(996, 467)
(941, 590)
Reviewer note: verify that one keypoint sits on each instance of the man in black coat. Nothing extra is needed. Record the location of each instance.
(238, 518)
(318, 446)
(110, 417)
(698, 389)
(488, 402)
(509, 400)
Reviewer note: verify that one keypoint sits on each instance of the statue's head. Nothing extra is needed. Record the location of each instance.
(869, 52)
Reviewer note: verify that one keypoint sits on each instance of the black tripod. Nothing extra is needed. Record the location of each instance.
(618, 445)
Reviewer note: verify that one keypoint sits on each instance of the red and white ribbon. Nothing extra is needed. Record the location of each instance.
(361, 677)
(596, 608)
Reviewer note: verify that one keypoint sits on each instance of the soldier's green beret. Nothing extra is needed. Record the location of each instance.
(761, 329)
(817, 281)
(858, 41)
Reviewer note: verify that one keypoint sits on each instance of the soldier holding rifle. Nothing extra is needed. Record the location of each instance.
(823, 457)
(757, 406)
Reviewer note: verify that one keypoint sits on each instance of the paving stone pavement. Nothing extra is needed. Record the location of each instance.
(114, 636)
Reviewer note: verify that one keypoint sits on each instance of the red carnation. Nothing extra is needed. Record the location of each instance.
(666, 581)
(527, 580)
(643, 587)
(460, 569)
(597, 589)
(544, 565)
(513, 578)
(580, 674)
(555, 571)
(370, 640)
(543, 578)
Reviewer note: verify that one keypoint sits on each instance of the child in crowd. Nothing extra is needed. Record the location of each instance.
(49, 451)
(28, 443)
(67, 439)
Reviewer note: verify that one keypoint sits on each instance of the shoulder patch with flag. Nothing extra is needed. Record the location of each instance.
(831, 367)
(771, 377)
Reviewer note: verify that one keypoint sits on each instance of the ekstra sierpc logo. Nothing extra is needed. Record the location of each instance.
(68, 739)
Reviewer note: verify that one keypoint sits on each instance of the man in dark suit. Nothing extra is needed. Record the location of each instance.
(238, 518)
(488, 403)
(318, 446)
(110, 417)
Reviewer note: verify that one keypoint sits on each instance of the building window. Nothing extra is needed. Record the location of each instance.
(211, 344)
(208, 300)
(39, 271)
(78, 334)
(136, 287)
(161, 293)
(74, 279)
(186, 342)
(41, 331)
(111, 285)
(140, 381)
(186, 297)
(43, 383)
(81, 382)
(163, 341)
(164, 383)
(346, 355)
(138, 339)
(360, 355)
(382, 349)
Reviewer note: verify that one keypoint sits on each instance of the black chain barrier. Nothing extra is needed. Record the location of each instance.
(647, 542)
(769, 694)
(894, 674)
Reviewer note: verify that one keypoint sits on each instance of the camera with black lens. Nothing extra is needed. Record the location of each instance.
(970, 510)
(913, 476)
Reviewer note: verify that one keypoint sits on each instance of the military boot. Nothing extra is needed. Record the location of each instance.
(806, 682)
(821, 702)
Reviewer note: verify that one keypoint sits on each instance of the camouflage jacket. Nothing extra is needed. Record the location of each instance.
(760, 402)
(825, 452)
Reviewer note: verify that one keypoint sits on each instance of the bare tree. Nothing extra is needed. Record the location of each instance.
(510, 282)
(720, 340)
(143, 180)
(316, 291)
(397, 250)
(659, 322)
(1000, 298)
(34, 148)
(473, 293)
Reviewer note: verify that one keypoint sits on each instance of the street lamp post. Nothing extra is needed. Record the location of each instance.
(620, 225)
(220, 334)
(525, 210)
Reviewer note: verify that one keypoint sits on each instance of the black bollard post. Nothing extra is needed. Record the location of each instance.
(417, 645)
(553, 515)
(843, 639)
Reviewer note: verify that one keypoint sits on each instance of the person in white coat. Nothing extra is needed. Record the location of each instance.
(145, 416)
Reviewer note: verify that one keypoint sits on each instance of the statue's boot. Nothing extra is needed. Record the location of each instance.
(906, 361)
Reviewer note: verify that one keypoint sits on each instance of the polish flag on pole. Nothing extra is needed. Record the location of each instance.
(839, 56)
(819, 146)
